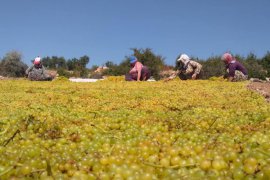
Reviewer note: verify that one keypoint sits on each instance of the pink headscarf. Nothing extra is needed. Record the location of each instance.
(227, 57)
(37, 60)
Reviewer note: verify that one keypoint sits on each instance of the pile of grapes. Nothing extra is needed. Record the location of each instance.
(133, 130)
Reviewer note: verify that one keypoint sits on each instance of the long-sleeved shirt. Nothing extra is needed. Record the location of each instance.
(192, 67)
(235, 65)
(36, 72)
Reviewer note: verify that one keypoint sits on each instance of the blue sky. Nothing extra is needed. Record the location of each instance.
(107, 29)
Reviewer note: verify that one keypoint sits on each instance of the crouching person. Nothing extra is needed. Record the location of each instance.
(138, 71)
(236, 71)
(37, 71)
(187, 69)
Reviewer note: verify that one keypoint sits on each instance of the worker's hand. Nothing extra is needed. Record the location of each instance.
(167, 79)
(230, 79)
(194, 76)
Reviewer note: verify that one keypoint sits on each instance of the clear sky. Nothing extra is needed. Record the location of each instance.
(107, 29)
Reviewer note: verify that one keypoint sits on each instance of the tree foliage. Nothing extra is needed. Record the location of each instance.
(154, 62)
(71, 67)
(147, 57)
(254, 68)
(54, 62)
(117, 70)
(265, 62)
(213, 66)
(12, 65)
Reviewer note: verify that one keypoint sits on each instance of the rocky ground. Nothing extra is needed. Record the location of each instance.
(262, 87)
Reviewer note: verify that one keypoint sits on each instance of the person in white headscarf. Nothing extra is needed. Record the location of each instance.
(188, 69)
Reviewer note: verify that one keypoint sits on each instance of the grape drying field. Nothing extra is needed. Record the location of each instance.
(114, 129)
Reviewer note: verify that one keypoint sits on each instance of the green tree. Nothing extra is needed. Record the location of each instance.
(94, 67)
(78, 66)
(12, 65)
(54, 62)
(154, 62)
(83, 61)
(110, 64)
(72, 64)
(117, 70)
(265, 62)
(213, 66)
(253, 66)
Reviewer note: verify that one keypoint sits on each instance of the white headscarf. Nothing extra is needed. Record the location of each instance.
(184, 59)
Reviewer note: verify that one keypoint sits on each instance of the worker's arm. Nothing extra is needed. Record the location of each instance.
(139, 67)
(28, 70)
(43, 69)
(197, 67)
(174, 74)
(139, 75)
(231, 73)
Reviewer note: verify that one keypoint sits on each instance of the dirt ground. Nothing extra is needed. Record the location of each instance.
(262, 87)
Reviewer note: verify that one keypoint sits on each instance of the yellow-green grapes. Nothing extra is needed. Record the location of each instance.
(114, 129)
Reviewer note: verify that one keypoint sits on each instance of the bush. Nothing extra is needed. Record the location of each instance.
(12, 66)
(253, 66)
(154, 62)
(265, 62)
(212, 67)
(63, 72)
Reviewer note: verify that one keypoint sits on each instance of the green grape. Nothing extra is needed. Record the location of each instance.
(249, 169)
(205, 164)
(25, 170)
(165, 162)
(219, 164)
(175, 160)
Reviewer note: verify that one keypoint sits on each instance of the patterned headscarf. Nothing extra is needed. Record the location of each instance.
(184, 59)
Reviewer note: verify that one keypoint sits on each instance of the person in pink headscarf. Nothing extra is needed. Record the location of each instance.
(236, 71)
(37, 71)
